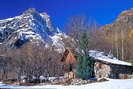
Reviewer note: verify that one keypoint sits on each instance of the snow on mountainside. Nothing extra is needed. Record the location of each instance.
(30, 26)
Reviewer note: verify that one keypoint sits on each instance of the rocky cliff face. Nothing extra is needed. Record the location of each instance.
(125, 19)
(119, 35)
(31, 26)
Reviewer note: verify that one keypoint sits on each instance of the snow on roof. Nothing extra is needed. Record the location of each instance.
(97, 55)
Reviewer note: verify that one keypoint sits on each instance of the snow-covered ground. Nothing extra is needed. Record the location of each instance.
(112, 84)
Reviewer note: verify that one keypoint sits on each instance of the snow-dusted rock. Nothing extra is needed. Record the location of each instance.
(31, 26)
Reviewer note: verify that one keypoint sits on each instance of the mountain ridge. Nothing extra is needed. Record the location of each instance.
(30, 26)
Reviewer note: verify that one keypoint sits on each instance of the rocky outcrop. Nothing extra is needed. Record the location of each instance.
(31, 26)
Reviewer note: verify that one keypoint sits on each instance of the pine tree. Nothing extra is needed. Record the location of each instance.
(84, 62)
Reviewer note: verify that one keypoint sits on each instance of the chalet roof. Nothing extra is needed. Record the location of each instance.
(101, 56)
(68, 57)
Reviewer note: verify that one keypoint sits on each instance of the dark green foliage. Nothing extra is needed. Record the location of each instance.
(84, 62)
(132, 63)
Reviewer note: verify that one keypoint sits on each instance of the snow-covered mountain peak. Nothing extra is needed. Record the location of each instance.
(30, 11)
(30, 26)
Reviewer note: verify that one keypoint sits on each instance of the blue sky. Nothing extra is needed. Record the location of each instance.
(103, 11)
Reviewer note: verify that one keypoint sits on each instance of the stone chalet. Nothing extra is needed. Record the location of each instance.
(108, 66)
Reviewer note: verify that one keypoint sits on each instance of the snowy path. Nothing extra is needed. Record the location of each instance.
(112, 84)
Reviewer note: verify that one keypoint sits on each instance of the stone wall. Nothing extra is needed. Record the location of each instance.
(117, 70)
(101, 70)
(107, 70)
